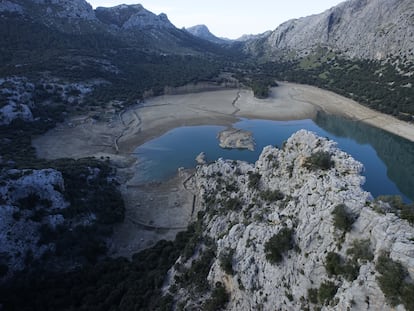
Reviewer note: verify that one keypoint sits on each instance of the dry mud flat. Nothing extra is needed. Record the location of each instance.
(158, 211)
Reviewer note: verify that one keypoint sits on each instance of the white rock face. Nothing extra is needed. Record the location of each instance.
(19, 227)
(240, 215)
(74, 9)
(202, 31)
(15, 111)
(17, 93)
(358, 28)
(132, 16)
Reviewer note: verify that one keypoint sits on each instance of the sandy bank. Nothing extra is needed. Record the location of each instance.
(123, 132)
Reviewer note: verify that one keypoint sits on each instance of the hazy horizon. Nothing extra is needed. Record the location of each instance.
(230, 19)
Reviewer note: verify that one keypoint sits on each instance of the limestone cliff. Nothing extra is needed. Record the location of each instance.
(203, 32)
(294, 231)
(132, 16)
(369, 29)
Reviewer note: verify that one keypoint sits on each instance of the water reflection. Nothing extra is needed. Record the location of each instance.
(397, 153)
(388, 159)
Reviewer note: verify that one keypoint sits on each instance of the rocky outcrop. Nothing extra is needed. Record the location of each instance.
(298, 190)
(17, 95)
(49, 9)
(29, 199)
(374, 29)
(13, 111)
(132, 17)
(202, 31)
(236, 139)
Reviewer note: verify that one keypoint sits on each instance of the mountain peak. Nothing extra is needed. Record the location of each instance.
(202, 31)
(132, 16)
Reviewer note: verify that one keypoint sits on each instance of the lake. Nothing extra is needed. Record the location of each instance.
(387, 158)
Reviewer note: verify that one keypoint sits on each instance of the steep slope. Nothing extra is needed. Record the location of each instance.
(202, 31)
(369, 29)
(296, 231)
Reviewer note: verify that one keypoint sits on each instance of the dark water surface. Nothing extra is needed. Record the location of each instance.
(387, 158)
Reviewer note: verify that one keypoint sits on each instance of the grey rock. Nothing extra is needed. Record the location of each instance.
(365, 29)
(310, 196)
(202, 31)
(132, 17)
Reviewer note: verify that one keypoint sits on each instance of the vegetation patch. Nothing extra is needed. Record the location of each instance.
(327, 292)
(319, 160)
(343, 218)
(398, 207)
(254, 180)
(335, 265)
(112, 284)
(279, 244)
(361, 250)
(226, 261)
(394, 282)
(196, 276)
(272, 196)
(218, 300)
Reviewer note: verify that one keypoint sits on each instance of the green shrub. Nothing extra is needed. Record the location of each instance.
(254, 180)
(218, 300)
(232, 204)
(403, 210)
(407, 296)
(391, 280)
(407, 213)
(333, 264)
(271, 196)
(196, 276)
(361, 249)
(226, 261)
(326, 292)
(313, 295)
(343, 219)
(319, 160)
(278, 244)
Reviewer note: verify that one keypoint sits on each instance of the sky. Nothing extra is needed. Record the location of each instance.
(229, 18)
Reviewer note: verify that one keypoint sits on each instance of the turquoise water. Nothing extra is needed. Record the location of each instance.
(388, 159)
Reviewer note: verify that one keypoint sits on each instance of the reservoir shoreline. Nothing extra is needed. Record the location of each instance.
(118, 133)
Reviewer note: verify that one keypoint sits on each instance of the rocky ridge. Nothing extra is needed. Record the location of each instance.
(373, 29)
(132, 16)
(203, 32)
(49, 9)
(297, 190)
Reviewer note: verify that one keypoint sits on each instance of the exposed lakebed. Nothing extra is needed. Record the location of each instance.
(388, 159)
